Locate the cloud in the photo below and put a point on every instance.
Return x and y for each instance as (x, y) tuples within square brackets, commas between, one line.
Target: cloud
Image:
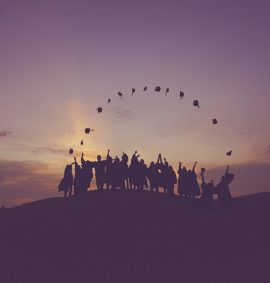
[(41, 149), (26, 181), (123, 113), (4, 134)]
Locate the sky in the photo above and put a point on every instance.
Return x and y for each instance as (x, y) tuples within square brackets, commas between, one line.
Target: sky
[(60, 60)]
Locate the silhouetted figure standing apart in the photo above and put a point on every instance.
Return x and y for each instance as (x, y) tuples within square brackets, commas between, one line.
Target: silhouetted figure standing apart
[(207, 199), (223, 191), (66, 183)]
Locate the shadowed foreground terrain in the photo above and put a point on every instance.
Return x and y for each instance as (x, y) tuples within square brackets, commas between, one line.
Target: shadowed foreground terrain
[(135, 237)]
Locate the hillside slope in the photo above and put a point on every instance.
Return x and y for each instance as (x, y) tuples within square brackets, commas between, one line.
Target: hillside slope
[(135, 237)]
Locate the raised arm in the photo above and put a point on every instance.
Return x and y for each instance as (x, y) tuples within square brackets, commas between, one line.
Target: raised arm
[(227, 170), (159, 159), (179, 168), (202, 174), (194, 166), (108, 154), (82, 159)]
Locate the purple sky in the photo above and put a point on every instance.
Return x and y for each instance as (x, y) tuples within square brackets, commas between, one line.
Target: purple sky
[(60, 60)]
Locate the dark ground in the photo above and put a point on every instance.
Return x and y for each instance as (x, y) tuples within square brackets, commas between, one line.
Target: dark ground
[(135, 237)]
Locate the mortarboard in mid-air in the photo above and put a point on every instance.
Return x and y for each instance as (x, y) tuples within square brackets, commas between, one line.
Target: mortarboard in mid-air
[(229, 153), (99, 109), (196, 103), (109, 101), (120, 94), (88, 130), (71, 151), (133, 91), (145, 88), (167, 90), (181, 94), (214, 121), (158, 89), (81, 142)]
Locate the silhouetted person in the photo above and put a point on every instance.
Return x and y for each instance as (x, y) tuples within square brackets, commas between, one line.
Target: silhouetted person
[(141, 174), (164, 175), (159, 173), (171, 180), (193, 185), (133, 171), (223, 191), (116, 175), (66, 183), (124, 172), (109, 171), (87, 174), (208, 189), (100, 166), (77, 178), (152, 176), (182, 181)]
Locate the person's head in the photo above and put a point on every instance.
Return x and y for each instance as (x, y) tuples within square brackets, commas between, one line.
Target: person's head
[(98, 157), (124, 158), (152, 163), (142, 161), (171, 168)]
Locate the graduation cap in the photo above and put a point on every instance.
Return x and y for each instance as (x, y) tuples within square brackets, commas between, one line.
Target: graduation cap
[(158, 88), (214, 121), (196, 103), (88, 130), (71, 151), (120, 94), (133, 91), (145, 88), (81, 142), (109, 101), (229, 153), (167, 90), (99, 109), (181, 94)]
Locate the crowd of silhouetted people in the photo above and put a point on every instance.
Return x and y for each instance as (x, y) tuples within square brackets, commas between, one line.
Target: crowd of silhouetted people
[(118, 174)]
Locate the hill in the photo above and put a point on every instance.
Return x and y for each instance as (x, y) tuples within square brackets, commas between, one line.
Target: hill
[(135, 237)]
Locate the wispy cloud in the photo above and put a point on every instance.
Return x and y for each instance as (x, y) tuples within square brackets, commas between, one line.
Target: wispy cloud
[(4, 134), (41, 149), (123, 113), (26, 181)]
